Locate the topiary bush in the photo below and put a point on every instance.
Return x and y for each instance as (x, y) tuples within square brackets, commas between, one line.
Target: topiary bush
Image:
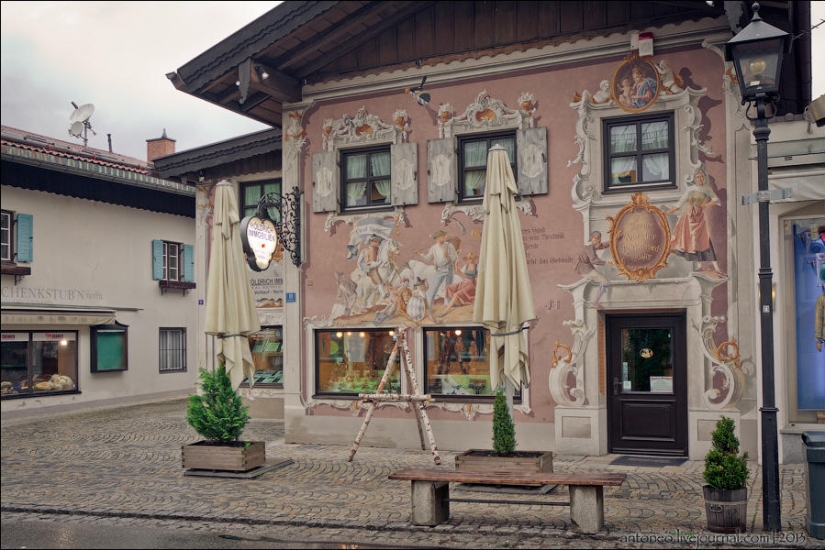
[(504, 430), (217, 413), (725, 468)]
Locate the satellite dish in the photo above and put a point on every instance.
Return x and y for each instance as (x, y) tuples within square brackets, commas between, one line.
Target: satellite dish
[(82, 113), (77, 129)]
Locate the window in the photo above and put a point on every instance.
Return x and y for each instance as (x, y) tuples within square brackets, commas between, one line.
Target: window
[(457, 363), (38, 363), (109, 348), (472, 159), (639, 153), (16, 240), (349, 362), (268, 357), (251, 193), (172, 348), (366, 178), (173, 264)]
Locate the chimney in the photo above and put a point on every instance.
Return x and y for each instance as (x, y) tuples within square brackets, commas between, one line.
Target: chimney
[(159, 147)]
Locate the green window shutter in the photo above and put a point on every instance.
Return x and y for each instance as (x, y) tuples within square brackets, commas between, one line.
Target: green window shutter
[(188, 263), (157, 260), (25, 237)]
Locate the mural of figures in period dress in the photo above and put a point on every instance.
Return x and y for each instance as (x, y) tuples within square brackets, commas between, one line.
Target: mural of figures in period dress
[(636, 84), (691, 237), (435, 283)]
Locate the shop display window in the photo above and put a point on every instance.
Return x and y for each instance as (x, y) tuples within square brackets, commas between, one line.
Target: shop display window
[(457, 363), (268, 357), (349, 362), (38, 363)]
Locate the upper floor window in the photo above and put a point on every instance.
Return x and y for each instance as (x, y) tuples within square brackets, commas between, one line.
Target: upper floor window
[(366, 178), (15, 242), (173, 264), (472, 161), (639, 153), (251, 193)]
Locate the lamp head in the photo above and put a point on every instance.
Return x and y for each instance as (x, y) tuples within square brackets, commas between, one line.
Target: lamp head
[(757, 53)]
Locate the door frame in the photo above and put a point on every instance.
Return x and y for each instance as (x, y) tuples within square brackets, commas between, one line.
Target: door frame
[(676, 320)]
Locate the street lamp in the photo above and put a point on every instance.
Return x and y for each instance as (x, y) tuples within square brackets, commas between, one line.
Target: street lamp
[(757, 53)]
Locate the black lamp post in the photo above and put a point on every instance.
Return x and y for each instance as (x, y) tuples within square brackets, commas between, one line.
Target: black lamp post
[(757, 53)]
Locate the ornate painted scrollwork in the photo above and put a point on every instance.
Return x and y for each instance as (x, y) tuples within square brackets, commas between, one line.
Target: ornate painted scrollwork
[(563, 392), (726, 377), (486, 113)]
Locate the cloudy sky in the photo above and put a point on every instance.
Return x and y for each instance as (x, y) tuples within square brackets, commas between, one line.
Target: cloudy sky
[(115, 55)]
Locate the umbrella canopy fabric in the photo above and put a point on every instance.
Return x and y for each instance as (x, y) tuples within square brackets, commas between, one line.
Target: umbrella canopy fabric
[(504, 297), (230, 307)]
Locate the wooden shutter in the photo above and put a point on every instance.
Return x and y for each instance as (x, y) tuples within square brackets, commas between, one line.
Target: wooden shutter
[(404, 173), (441, 170), (25, 238), (326, 182), (188, 263), (532, 161), (157, 260)]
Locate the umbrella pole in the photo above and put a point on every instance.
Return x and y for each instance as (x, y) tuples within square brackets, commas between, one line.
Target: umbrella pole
[(509, 391)]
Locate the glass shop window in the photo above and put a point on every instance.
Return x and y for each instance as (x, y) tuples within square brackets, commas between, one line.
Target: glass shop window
[(457, 363), (268, 357), (42, 363), (349, 362)]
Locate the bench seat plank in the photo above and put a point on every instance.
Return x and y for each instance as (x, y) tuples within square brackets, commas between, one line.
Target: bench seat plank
[(507, 478)]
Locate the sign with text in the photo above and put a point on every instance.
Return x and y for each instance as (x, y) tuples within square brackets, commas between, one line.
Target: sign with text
[(639, 239)]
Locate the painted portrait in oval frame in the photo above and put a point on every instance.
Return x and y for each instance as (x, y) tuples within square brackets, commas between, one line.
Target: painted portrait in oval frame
[(636, 84)]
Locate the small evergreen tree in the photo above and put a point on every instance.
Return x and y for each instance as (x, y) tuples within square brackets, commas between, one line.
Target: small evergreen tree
[(724, 467), (217, 413), (504, 430)]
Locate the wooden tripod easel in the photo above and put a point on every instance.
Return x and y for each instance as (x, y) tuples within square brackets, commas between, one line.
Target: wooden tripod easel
[(418, 401)]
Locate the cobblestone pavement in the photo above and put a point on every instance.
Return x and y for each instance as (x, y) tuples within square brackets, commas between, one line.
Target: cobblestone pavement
[(123, 466)]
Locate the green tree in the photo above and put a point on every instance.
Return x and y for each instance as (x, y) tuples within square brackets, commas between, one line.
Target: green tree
[(217, 413), (504, 430), (725, 468)]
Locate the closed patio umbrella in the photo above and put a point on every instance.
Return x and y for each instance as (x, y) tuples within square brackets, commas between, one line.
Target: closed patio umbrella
[(230, 307), (504, 298)]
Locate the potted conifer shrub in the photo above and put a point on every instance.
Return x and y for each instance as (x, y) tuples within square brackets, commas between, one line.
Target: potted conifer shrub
[(504, 457), (218, 415), (726, 474)]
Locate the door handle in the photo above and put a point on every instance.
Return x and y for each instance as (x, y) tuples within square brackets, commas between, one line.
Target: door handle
[(616, 386)]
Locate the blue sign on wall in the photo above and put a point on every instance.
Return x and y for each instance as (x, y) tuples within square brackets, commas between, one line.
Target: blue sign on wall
[(290, 297)]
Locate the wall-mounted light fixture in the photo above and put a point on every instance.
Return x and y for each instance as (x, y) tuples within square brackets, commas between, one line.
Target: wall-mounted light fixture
[(261, 71)]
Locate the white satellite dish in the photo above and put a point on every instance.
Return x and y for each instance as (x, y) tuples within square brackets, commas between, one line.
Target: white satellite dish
[(77, 129), (82, 113), (79, 120)]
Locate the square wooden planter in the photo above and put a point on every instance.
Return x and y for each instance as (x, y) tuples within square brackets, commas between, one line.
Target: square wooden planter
[(480, 460), (239, 456)]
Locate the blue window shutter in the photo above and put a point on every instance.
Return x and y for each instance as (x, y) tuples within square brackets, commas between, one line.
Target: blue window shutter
[(157, 260), (25, 237), (188, 263)]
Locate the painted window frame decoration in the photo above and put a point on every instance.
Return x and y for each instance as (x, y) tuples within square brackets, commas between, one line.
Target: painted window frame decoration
[(635, 96)]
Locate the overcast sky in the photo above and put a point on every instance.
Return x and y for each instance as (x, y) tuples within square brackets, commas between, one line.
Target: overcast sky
[(115, 55)]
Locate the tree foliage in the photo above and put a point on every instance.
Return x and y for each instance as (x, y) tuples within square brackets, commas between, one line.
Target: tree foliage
[(217, 413), (504, 430), (725, 468)]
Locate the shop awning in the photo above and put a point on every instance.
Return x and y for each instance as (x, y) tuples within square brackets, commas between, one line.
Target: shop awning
[(50, 315)]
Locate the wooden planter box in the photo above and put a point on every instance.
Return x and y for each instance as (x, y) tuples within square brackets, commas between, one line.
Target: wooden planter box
[(480, 460), (240, 456)]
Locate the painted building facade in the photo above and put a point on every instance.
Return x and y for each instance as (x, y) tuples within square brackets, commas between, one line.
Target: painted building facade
[(632, 153)]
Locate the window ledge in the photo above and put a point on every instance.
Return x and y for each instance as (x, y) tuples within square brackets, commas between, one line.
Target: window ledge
[(175, 285), (19, 271)]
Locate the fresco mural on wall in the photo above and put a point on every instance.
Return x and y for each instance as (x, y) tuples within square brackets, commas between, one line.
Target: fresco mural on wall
[(433, 284), (636, 84), (639, 239)]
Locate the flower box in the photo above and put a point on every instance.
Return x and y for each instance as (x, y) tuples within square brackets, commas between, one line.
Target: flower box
[(480, 460), (236, 456)]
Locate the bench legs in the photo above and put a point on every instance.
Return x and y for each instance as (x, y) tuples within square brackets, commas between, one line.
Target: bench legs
[(587, 508), (430, 502)]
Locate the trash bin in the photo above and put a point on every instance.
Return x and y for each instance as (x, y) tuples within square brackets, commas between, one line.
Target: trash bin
[(814, 443)]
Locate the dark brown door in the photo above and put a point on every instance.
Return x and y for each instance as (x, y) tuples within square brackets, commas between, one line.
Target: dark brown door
[(647, 384)]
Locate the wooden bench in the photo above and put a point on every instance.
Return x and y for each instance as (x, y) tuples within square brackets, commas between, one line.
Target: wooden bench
[(431, 492)]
